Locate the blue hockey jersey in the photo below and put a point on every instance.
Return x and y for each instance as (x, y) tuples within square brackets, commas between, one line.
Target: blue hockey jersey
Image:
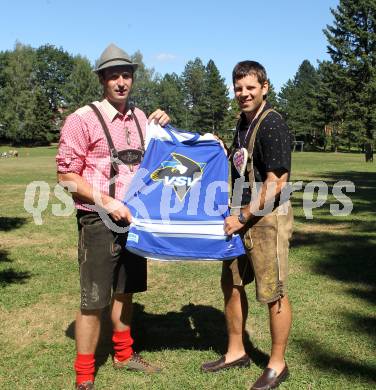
[(179, 199)]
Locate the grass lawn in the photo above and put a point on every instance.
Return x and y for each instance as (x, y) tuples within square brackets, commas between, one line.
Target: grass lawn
[(179, 322)]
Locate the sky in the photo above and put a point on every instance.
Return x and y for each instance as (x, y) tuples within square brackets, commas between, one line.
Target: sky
[(278, 34)]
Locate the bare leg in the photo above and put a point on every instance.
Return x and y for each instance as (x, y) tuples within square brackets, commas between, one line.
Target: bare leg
[(87, 331), (280, 324), (122, 310), (236, 311)]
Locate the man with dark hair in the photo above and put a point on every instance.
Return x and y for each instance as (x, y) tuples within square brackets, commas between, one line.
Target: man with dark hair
[(261, 152), (245, 68), (100, 149)]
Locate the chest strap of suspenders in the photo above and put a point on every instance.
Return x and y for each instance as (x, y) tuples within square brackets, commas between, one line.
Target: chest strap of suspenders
[(114, 155)]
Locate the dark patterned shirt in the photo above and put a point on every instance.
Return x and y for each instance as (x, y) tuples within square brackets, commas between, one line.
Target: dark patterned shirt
[(272, 151)]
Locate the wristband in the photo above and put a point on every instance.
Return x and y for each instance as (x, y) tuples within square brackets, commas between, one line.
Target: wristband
[(242, 219)]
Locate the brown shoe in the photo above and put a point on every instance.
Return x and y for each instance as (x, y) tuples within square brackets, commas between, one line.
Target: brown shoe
[(270, 380), (88, 385), (136, 363), (220, 364)]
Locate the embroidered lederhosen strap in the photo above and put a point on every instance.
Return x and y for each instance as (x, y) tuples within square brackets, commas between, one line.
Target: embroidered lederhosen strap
[(114, 154)]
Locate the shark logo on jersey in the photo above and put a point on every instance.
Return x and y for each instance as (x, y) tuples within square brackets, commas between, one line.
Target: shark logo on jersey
[(180, 172)]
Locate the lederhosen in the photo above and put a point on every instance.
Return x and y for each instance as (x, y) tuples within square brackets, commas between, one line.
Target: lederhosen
[(280, 221)]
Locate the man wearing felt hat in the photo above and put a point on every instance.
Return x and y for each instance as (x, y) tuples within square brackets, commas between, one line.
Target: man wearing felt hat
[(113, 56), (101, 146)]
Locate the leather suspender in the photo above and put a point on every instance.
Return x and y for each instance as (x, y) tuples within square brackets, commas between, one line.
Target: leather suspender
[(134, 117), (114, 155), (251, 145)]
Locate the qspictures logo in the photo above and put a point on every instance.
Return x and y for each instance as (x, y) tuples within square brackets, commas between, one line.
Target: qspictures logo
[(180, 172)]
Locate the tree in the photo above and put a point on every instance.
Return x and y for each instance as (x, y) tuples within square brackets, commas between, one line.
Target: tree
[(52, 69), (40, 121), (82, 86), (214, 103), (4, 58), (273, 97), (144, 92), (352, 48), (171, 98), (230, 120), (333, 102), (298, 102), (26, 115), (194, 77)]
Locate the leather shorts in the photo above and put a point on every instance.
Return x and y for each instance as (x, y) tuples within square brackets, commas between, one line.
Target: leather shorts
[(106, 267), (266, 261)]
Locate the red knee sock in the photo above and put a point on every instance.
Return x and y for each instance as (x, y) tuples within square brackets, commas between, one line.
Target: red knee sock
[(85, 367), (122, 344)]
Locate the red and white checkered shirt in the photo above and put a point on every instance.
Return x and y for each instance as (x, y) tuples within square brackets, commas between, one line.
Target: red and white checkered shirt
[(83, 147)]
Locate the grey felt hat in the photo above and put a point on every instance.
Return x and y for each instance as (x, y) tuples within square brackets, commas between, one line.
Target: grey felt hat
[(113, 56)]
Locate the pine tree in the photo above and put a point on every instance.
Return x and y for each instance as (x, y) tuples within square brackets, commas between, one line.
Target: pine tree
[(298, 101), (194, 90), (333, 101), (230, 120), (171, 98), (272, 97), (144, 93), (352, 47), (214, 103)]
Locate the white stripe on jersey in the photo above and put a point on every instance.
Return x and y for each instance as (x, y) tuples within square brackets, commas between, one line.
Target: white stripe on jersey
[(184, 235), (138, 221), (204, 230)]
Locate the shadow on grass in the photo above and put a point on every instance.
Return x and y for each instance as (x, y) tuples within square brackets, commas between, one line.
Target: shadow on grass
[(332, 362), (368, 295), (8, 223), (4, 256), (350, 255), (347, 258), (347, 254), (9, 275), (195, 327), (363, 198), (360, 323)]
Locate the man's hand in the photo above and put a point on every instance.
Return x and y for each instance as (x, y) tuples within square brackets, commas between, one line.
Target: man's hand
[(118, 210), (232, 225), (159, 117)]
